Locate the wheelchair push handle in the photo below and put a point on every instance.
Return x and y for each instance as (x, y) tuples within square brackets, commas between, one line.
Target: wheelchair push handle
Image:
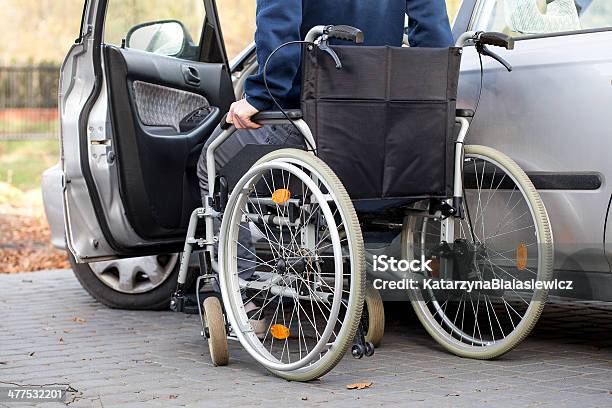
[(482, 39), (341, 32), (345, 32), (497, 40)]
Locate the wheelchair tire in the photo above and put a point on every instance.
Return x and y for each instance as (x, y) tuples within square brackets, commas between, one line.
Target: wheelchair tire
[(217, 335), (442, 324), (375, 310), (341, 227)]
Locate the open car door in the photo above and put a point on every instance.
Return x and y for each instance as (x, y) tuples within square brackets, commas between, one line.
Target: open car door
[(140, 93)]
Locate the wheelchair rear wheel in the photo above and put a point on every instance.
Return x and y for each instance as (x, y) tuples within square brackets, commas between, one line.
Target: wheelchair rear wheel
[(306, 278), (504, 236)]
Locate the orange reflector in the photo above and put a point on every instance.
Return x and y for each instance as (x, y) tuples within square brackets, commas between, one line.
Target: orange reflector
[(521, 257), (281, 196), (280, 332)]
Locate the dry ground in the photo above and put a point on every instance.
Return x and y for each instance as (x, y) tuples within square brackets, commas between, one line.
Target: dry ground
[(24, 234)]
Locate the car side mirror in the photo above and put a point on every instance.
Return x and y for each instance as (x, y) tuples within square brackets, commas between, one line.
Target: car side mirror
[(167, 37)]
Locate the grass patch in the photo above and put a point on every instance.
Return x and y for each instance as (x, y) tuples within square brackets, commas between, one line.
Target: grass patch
[(22, 162), (24, 126)]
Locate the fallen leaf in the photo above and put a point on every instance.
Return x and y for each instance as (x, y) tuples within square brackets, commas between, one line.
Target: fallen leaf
[(61, 339), (359, 386), (172, 396), (79, 320)]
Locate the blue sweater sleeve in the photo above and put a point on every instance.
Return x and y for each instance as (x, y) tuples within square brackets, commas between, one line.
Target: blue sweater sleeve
[(428, 24), (278, 21)]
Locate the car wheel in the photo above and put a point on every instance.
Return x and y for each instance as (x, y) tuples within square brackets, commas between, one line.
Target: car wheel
[(145, 283)]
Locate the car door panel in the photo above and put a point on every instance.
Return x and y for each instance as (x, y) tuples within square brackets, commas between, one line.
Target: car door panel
[(162, 106), (156, 161), (128, 164), (549, 115)]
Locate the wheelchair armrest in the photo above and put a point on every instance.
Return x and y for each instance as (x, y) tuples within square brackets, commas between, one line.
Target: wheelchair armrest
[(293, 114)]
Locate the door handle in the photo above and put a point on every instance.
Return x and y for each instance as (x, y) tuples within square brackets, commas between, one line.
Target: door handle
[(191, 75)]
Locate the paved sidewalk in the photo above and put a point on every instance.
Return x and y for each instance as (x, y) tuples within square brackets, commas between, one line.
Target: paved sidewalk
[(51, 331)]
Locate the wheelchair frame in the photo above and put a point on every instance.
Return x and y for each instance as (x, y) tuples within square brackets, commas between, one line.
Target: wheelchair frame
[(208, 213), (451, 209), (316, 35)]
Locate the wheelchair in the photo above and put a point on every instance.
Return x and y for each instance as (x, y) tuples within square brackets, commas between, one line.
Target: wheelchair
[(309, 267)]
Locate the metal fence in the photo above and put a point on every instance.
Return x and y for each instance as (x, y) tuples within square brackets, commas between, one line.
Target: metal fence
[(28, 102)]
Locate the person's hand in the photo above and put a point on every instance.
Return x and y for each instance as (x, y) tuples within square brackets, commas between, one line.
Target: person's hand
[(240, 115)]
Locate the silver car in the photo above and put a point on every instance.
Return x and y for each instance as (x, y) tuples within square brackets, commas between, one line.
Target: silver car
[(132, 128)]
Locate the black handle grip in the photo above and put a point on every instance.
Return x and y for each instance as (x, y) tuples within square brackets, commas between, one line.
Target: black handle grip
[(344, 32), (497, 40), (224, 125)]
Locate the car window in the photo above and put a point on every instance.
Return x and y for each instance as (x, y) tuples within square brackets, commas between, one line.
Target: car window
[(237, 19), (537, 17), (164, 27)]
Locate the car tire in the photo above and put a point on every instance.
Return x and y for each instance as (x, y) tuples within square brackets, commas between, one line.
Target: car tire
[(158, 298)]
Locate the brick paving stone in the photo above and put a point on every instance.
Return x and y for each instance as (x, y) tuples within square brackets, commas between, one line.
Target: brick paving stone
[(122, 359)]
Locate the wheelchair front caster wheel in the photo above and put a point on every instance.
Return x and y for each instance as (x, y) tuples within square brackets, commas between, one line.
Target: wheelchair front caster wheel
[(215, 331), (358, 351), (374, 319), (369, 349)]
